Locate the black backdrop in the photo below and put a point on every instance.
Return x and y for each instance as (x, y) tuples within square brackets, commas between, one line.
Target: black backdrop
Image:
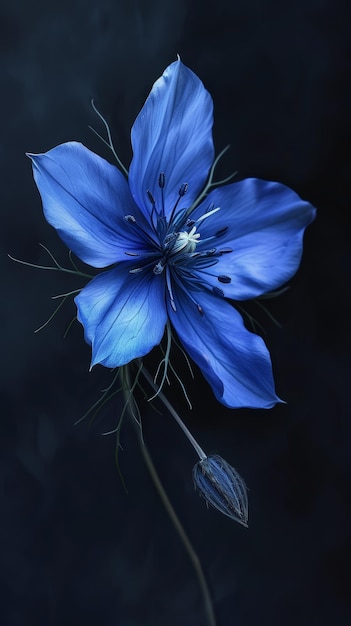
[(75, 548)]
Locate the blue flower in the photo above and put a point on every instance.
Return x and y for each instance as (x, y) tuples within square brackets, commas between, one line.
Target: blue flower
[(170, 257)]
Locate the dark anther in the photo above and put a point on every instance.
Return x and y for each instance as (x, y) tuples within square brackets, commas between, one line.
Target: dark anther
[(225, 250), (150, 196), (183, 189), (218, 291), (189, 223), (224, 279), (211, 252), (130, 219), (200, 309), (161, 180), (222, 231)]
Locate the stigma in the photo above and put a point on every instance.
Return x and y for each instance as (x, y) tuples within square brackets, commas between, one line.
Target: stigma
[(186, 242)]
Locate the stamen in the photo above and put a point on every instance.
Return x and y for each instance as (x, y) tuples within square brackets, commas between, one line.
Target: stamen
[(218, 291), (221, 231), (224, 279), (200, 262), (225, 250), (170, 238), (130, 219), (151, 198), (182, 192), (178, 221), (169, 288), (136, 270), (159, 267), (183, 189), (189, 293), (204, 254), (161, 184), (151, 264)]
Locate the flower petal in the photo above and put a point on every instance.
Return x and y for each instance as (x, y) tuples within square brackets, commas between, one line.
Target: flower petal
[(266, 222), (172, 134), (235, 362), (123, 315), (85, 199)]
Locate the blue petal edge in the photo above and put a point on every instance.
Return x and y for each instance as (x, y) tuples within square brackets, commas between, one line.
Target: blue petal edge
[(234, 361)]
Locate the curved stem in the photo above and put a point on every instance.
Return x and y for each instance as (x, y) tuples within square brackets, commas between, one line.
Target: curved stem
[(211, 620), (182, 534), (173, 412)]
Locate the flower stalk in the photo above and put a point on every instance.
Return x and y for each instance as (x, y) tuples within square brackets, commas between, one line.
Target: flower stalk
[(202, 455), (208, 605), (217, 482)]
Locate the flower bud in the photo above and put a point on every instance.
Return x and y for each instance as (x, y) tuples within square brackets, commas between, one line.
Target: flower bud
[(222, 487)]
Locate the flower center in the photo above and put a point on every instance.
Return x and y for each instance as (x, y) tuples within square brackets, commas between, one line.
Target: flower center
[(176, 242), (186, 242), (176, 245), (173, 246)]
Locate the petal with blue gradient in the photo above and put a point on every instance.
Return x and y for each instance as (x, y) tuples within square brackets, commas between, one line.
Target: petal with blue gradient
[(266, 223), (234, 361), (86, 198), (123, 315), (172, 134)]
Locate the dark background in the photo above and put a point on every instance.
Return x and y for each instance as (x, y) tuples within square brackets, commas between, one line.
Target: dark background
[(75, 548)]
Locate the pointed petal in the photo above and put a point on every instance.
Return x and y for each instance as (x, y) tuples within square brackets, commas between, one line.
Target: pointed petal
[(235, 362), (266, 222), (85, 199), (172, 134), (123, 315)]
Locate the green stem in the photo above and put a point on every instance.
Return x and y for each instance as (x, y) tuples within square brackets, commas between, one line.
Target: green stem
[(182, 534), (211, 620)]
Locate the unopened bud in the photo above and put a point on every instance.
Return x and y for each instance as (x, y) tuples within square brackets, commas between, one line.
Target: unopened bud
[(222, 487)]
